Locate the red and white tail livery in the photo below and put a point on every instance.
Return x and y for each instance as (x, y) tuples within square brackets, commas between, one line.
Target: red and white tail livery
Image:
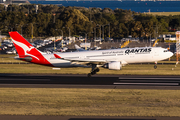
[(112, 59), (26, 51)]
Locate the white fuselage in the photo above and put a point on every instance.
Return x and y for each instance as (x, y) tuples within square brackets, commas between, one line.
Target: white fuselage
[(124, 55)]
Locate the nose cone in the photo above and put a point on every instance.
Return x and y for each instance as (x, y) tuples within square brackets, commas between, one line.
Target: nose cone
[(170, 54)]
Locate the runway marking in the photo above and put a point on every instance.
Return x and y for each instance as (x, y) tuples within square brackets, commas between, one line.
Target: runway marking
[(172, 84)]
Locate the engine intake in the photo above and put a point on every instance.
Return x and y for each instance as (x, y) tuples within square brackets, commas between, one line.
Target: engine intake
[(114, 65)]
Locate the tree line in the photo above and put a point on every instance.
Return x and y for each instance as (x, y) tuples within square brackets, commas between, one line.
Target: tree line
[(53, 20)]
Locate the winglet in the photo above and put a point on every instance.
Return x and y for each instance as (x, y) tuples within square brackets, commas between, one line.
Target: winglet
[(57, 56)]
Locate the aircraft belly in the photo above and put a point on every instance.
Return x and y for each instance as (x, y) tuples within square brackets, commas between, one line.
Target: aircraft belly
[(57, 62), (158, 58), (113, 58), (68, 64), (139, 58)]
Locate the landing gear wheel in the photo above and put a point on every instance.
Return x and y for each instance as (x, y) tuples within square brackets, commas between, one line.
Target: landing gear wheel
[(155, 66), (89, 75), (93, 72), (97, 70)]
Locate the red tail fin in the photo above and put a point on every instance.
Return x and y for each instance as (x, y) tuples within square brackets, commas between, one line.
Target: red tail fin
[(25, 49), (22, 46)]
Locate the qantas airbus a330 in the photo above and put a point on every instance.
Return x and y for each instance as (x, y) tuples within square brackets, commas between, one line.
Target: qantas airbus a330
[(113, 59)]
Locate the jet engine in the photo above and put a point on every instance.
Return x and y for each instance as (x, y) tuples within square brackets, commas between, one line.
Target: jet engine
[(114, 65)]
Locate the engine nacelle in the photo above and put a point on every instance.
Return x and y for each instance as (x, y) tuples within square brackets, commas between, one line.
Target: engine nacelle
[(114, 65)]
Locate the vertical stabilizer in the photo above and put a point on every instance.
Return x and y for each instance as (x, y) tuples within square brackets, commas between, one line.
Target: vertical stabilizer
[(26, 51), (23, 47)]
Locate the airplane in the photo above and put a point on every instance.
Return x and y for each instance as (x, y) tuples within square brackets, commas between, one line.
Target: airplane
[(82, 49), (112, 59), (79, 48)]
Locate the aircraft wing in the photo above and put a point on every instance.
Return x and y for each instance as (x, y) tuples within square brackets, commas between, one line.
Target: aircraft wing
[(83, 60)]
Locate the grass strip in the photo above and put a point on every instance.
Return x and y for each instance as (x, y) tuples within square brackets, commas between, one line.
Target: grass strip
[(89, 102), (133, 69)]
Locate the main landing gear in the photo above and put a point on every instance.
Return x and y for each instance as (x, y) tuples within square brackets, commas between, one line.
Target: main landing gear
[(155, 66), (94, 70)]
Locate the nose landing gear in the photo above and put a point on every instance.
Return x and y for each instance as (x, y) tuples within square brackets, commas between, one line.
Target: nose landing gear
[(155, 66)]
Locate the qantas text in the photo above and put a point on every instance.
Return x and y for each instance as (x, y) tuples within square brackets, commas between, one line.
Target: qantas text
[(138, 51)]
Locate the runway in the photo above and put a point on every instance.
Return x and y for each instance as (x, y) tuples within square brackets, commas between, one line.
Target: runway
[(82, 81)]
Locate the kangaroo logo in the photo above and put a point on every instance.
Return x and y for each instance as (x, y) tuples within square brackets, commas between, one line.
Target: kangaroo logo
[(25, 48)]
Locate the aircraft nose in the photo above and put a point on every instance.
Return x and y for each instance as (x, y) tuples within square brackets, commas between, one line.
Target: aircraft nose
[(170, 54)]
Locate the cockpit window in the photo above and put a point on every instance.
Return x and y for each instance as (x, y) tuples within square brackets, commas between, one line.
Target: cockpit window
[(165, 50)]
